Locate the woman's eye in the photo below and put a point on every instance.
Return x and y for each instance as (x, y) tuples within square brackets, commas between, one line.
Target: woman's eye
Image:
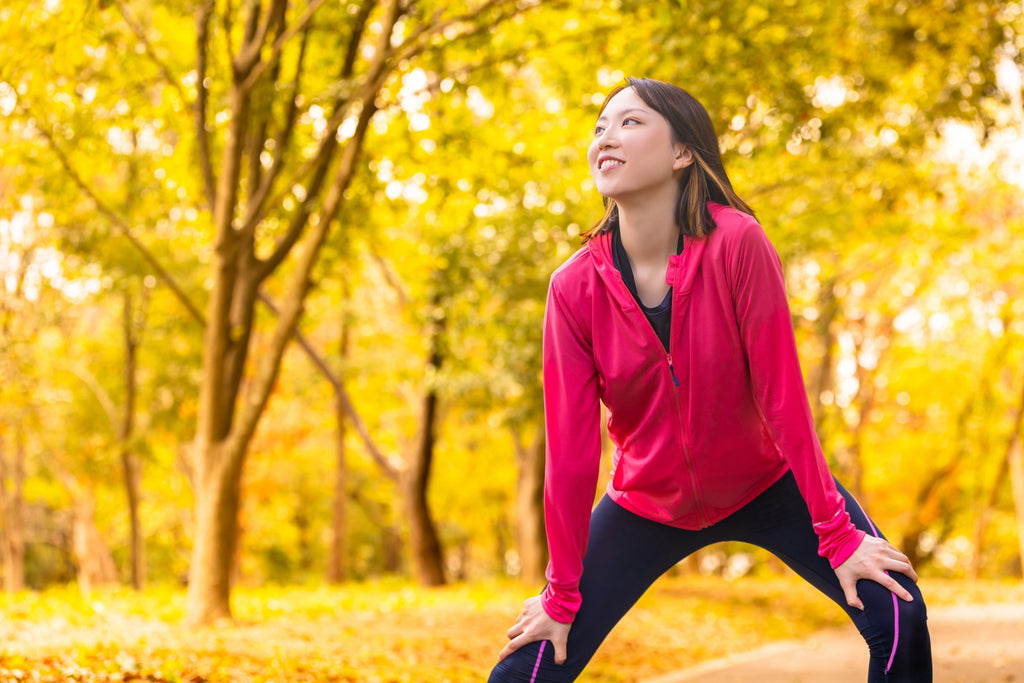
[(627, 122), (598, 130)]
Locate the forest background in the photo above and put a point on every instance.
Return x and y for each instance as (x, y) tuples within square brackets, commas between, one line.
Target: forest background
[(274, 272)]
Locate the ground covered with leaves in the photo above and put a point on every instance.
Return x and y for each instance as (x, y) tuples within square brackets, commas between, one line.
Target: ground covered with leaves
[(393, 632)]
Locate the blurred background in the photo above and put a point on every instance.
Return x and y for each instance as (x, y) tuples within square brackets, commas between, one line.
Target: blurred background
[(273, 273)]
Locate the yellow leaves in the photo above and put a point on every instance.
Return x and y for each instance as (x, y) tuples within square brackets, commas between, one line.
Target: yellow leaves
[(392, 632)]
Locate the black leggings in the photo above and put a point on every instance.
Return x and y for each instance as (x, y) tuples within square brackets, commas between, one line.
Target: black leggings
[(626, 553)]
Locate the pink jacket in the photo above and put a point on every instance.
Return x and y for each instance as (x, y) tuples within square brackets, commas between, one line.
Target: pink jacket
[(698, 432)]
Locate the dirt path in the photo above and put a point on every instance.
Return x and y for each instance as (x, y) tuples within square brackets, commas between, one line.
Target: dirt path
[(970, 644)]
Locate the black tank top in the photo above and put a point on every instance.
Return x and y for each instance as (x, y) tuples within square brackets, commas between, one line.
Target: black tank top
[(660, 316)]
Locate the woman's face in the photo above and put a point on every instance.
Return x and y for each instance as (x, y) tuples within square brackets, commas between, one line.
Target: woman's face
[(633, 153)]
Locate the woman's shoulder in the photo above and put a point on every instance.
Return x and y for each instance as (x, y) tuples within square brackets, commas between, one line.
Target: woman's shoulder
[(732, 222), (580, 265), (737, 238)]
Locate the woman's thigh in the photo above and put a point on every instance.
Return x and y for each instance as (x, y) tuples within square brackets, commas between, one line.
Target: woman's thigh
[(896, 631), (625, 554)]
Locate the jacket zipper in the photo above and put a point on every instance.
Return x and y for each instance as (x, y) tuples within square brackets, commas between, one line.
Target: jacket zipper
[(687, 456), (672, 369)]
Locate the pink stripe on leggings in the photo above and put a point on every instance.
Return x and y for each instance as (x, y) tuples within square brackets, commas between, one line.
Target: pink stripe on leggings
[(536, 667), (895, 604)]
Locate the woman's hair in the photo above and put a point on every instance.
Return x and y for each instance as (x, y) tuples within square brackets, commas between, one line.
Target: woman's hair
[(702, 181)]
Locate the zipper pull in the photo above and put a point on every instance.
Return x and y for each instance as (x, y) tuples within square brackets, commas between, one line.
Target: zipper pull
[(672, 369)]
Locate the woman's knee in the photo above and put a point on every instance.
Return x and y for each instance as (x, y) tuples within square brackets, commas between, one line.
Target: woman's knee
[(895, 630)]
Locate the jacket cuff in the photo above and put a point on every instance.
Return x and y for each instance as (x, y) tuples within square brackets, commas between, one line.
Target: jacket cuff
[(841, 552), (561, 605)]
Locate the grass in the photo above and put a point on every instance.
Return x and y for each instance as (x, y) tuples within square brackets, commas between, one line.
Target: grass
[(391, 631)]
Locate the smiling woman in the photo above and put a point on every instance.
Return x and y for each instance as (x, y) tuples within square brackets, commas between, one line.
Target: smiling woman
[(674, 315)]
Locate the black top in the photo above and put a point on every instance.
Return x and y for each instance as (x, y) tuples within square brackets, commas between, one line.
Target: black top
[(660, 316)]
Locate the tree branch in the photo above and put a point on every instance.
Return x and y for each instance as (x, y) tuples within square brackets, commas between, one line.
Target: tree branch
[(262, 117), (165, 71), (391, 465), (260, 67), (255, 209), (417, 42), (256, 34), (101, 395), (372, 83), (352, 51), (202, 101), (122, 226), (298, 286)]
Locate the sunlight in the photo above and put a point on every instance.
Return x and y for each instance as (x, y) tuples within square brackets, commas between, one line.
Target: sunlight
[(1000, 150), (413, 96), (8, 99), (830, 93), (478, 104)]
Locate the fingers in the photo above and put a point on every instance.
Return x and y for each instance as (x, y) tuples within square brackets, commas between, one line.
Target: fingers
[(891, 583), (533, 625), (903, 566), (517, 628), (898, 562), (559, 652), (850, 591), (512, 646)]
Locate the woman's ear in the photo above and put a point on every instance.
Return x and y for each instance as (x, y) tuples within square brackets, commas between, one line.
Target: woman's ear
[(684, 157)]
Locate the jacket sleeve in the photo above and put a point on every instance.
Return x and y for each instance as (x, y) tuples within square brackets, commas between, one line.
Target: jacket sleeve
[(572, 420), (766, 329)]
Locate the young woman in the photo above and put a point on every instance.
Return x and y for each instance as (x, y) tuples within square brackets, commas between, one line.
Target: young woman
[(674, 315)]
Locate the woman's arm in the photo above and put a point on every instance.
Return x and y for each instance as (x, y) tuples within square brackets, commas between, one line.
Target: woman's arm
[(572, 418), (766, 328)]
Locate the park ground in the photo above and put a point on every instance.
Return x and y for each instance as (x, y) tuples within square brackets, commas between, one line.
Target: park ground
[(687, 628), (970, 643)]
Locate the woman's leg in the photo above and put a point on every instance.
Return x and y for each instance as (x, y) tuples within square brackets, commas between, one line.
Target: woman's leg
[(625, 554), (896, 631)]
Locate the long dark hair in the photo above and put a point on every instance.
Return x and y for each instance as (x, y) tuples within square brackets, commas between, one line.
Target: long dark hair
[(702, 181)]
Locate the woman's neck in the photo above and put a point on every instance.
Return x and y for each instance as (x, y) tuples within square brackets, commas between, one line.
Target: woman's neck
[(649, 233), (650, 237)]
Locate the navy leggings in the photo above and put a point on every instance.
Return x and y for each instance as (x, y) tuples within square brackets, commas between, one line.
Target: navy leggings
[(626, 553)]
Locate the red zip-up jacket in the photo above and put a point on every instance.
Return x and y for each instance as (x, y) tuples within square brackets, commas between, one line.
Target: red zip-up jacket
[(699, 431)]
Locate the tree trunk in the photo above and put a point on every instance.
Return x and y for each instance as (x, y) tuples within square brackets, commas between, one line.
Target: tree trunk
[(95, 564), (226, 421), (1015, 464), (532, 537), (424, 544), (129, 461), (1012, 464), (337, 567), (213, 553), (269, 58), (13, 507)]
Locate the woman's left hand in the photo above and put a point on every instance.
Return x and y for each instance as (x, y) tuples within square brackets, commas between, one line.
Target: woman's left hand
[(871, 560)]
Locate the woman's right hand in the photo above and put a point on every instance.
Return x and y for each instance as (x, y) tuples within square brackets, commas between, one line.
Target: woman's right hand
[(534, 624)]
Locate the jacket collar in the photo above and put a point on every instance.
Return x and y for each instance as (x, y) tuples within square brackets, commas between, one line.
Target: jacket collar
[(681, 273)]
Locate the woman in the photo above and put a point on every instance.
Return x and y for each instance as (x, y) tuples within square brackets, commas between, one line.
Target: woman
[(674, 315)]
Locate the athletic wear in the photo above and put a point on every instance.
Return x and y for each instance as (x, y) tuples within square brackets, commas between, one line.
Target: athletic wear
[(660, 316), (699, 431), (627, 553)]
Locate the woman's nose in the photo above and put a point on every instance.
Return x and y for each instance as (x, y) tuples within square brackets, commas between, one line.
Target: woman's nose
[(605, 139)]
